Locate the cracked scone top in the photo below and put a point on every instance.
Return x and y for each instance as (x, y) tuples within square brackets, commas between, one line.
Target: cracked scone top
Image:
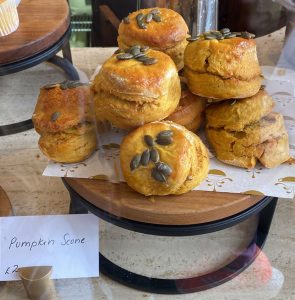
[(222, 69)]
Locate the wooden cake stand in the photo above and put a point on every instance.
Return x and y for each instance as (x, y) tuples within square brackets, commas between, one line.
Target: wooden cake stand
[(193, 213), (44, 30)]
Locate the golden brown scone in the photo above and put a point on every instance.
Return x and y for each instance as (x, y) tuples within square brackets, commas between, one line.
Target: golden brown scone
[(190, 111), (236, 114), (265, 140), (222, 69), (169, 35), (64, 118), (128, 93), (163, 158)]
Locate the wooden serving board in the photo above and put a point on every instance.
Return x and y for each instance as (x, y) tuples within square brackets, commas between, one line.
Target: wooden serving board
[(5, 205), (42, 24), (191, 208)]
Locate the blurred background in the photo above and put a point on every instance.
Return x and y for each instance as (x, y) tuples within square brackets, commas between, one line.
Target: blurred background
[(95, 22)]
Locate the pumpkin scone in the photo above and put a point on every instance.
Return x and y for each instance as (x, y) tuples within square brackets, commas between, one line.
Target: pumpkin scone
[(134, 89), (236, 114), (161, 29), (65, 120), (162, 158), (222, 65), (265, 140)]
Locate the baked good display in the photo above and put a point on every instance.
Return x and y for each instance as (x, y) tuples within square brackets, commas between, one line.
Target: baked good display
[(132, 90), (9, 20), (246, 131), (190, 110), (159, 28), (222, 65), (162, 158), (65, 120)]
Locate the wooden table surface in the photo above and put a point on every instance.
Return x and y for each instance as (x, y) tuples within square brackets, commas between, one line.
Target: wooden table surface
[(42, 23)]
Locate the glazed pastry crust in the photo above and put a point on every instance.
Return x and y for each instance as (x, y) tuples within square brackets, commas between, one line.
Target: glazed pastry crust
[(160, 35), (265, 140), (187, 156), (222, 69), (74, 106), (130, 94), (235, 115)]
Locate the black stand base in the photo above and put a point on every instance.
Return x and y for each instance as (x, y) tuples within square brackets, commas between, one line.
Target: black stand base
[(263, 209), (199, 283)]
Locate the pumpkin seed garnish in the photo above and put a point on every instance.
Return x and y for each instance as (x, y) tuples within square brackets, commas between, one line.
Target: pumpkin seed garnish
[(142, 58), (193, 38), (139, 54), (157, 18), (68, 84), (209, 37), (135, 51), (144, 48), (139, 17), (158, 175), (148, 140), (230, 36), (165, 137), (118, 51), (164, 140), (148, 17), (247, 35), (126, 20), (150, 61), (165, 133), (49, 86), (55, 116), (154, 155), (135, 162), (141, 25), (224, 30), (124, 56), (145, 157), (133, 48), (163, 168), (154, 11)]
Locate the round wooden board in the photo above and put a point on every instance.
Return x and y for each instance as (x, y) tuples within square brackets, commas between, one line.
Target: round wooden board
[(5, 205), (42, 24), (191, 208)]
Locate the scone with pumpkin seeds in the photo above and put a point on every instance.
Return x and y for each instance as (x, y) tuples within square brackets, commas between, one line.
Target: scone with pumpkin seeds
[(161, 29), (162, 158), (65, 120), (222, 67), (130, 91), (265, 140)]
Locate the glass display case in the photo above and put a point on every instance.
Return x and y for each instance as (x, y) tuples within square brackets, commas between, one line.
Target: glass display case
[(162, 168)]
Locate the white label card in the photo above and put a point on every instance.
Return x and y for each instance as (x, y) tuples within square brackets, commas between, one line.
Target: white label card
[(69, 243)]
